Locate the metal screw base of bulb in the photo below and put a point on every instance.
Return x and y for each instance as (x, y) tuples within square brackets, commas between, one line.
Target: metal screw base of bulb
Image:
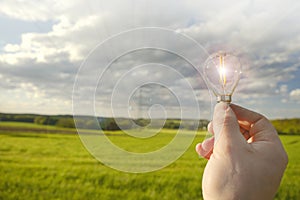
[(224, 98)]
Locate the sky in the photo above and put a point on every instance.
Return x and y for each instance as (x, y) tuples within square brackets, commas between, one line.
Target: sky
[(75, 56)]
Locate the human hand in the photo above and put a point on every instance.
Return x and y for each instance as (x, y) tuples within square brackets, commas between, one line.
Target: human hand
[(246, 157)]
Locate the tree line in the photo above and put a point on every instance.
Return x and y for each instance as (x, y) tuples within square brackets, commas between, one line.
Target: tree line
[(287, 126), (88, 122), (54, 120), (283, 126)]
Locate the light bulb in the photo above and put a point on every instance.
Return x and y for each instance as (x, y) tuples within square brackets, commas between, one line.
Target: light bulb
[(222, 72)]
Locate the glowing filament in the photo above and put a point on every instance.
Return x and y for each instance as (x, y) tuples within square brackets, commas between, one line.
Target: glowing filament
[(222, 71)]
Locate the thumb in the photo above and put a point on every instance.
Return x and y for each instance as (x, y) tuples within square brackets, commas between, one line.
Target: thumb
[(226, 127)]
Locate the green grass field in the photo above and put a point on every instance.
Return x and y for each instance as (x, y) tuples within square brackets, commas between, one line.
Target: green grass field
[(39, 164)]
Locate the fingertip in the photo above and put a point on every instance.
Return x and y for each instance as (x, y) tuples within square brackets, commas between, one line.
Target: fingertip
[(221, 106), (219, 117), (226, 130), (210, 128), (198, 147), (205, 149), (208, 144)]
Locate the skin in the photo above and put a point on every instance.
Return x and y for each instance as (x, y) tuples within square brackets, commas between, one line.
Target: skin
[(246, 157)]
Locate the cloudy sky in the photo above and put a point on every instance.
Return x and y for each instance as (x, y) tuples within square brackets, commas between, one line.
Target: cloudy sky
[(43, 46)]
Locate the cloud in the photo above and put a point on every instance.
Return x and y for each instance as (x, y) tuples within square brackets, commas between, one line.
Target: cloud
[(263, 33), (45, 10), (295, 95)]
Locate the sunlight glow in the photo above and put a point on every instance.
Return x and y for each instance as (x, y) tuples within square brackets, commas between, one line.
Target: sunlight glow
[(222, 71)]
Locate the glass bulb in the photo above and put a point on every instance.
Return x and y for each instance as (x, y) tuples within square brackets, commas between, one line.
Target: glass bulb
[(222, 72)]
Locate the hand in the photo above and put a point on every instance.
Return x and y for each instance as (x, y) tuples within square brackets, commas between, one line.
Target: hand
[(246, 157)]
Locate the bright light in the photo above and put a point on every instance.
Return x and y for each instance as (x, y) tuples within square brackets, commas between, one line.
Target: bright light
[(222, 70)]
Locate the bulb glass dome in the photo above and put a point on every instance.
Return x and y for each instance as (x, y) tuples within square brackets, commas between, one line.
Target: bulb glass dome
[(222, 72)]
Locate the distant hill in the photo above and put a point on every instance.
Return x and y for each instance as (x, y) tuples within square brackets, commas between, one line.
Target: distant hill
[(283, 126), (287, 126), (39, 119), (90, 122)]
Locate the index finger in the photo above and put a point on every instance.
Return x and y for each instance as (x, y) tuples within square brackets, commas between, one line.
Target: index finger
[(247, 118)]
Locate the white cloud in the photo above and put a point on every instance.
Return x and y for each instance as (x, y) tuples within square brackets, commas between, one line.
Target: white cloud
[(65, 39), (266, 32), (283, 89), (295, 95), (43, 10)]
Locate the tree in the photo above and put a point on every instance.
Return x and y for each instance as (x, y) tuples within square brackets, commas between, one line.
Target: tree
[(66, 123), (40, 120)]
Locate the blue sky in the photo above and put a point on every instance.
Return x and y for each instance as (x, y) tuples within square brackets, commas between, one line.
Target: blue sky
[(44, 43)]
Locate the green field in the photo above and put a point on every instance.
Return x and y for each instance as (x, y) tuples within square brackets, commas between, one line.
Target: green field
[(38, 163)]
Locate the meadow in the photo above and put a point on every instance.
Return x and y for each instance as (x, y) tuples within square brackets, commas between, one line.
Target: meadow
[(46, 162)]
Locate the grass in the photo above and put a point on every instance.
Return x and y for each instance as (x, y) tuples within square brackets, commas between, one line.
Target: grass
[(290, 185), (27, 125), (57, 166)]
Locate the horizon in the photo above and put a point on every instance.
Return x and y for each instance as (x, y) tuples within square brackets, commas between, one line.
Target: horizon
[(55, 58), (70, 115)]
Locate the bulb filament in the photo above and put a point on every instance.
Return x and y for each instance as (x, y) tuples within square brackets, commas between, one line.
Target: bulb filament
[(222, 70)]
